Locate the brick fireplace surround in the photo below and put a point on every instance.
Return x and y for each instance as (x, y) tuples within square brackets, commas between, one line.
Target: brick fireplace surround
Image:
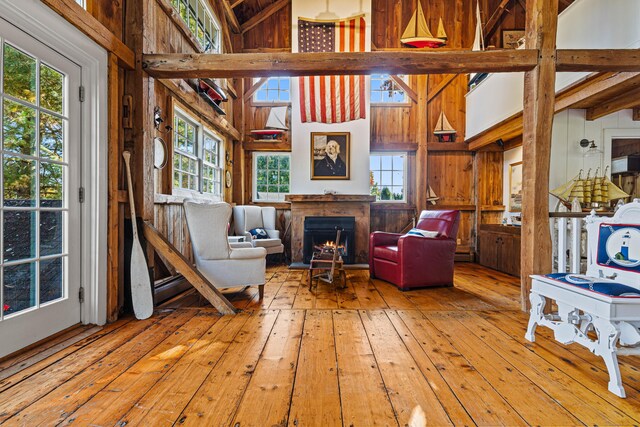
[(303, 205)]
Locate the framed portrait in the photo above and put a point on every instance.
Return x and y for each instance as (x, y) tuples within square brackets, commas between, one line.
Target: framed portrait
[(515, 187), (511, 38), (330, 155)]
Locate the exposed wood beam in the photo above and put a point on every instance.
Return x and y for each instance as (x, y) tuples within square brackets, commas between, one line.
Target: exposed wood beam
[(441, 86), (595, 89), (178, 65), (231, 16), (422, 137), (92, 28), (231, 89), (628, 100), (114, 259), (539, 100), (188, 96), (236, 3), (506, 129), (264, 14), (193, 276), (412, 93), (495, 18), (254, 87), (636, 114), (598, 60)]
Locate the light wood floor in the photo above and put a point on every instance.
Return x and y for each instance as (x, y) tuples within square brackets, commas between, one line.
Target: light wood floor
[(362, 356)]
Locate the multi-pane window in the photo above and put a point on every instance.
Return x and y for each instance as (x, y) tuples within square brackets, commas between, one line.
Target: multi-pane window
[(81, 3), (196, 156), (387, 176), (201, 23), (185, 158), (211, 170), (275, 89), (385, 90), (34, 170), (271, 176)]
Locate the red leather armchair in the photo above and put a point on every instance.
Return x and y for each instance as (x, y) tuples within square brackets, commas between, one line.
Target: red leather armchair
[(410, 261)]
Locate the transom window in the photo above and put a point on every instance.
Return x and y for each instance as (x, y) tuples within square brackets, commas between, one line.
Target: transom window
[(387, 176), (82, 3), (385, 90), (271, 176), (201, 23), (196, 157), (275, 89)]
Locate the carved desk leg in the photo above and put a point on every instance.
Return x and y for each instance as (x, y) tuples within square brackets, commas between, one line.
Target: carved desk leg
[(537, 314), (606, 347)]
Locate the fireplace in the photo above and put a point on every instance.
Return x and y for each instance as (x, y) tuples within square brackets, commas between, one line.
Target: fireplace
[(319, 230)]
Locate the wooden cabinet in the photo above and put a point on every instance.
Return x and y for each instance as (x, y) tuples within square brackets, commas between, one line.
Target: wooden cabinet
[(499, 248)]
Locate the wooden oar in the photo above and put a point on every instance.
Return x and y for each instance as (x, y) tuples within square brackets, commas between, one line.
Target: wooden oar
[(141, 294)]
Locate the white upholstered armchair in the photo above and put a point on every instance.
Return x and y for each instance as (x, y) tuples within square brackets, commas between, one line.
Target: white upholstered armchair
[(246, 218), (225, 266)]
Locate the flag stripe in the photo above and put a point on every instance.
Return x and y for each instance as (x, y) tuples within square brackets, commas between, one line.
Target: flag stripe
[(332, 99)]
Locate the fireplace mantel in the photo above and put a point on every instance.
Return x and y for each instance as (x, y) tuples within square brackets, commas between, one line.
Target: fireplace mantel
[(355, 205), (329, 198)]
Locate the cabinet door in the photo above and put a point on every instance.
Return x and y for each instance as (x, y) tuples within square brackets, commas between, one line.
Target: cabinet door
[(489, 247), (510, 255)]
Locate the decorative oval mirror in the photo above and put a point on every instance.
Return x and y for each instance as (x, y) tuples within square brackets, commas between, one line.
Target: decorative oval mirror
[(227, 179), (159, 153)]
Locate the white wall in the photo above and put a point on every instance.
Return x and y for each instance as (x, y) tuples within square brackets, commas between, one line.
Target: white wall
[(301, 182), (586, 24), (567, 157)]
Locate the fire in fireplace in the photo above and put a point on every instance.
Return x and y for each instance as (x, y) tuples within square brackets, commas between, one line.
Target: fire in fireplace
[(320, 231)]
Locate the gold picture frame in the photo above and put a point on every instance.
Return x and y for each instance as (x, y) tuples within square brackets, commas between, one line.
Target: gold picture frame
[(330, 155), (515, 187)]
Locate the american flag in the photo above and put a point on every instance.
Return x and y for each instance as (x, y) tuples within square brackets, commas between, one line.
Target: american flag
[(332, 99)]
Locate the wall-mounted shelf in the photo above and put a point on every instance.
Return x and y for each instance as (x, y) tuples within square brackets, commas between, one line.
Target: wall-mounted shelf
[(447, 146)]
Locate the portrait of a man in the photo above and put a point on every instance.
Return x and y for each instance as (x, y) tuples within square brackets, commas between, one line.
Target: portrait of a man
[(330, 155)]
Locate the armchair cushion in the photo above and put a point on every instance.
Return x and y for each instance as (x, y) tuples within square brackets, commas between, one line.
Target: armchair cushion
[(422, 233), (258, 233), (267, 243), (247, 253), (386, 252)]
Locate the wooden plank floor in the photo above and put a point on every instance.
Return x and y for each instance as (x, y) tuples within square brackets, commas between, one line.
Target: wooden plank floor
[(359, 356)]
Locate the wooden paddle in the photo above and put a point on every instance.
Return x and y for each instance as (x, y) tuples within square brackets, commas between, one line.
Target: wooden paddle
[(141, 294)]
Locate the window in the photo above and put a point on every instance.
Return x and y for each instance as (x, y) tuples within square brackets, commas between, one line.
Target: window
[(384, 90), (82, 3), (387, 176), (201, 23), (275, 89), (196, 157), (271, 176)]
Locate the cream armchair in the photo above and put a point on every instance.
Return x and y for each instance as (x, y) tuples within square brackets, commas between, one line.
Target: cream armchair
[(225, 266), (247, 218)]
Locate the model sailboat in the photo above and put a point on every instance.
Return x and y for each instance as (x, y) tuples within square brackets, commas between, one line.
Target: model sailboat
[(417, 33), (478, 42), (432, 197), (444, 131), (589, 192), (275, 126)]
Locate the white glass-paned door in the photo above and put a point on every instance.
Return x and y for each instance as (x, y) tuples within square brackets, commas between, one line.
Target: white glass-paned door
[(40, 176)]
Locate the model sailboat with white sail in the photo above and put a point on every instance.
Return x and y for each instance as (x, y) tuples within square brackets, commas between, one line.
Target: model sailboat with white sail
[(275, 126), (417, 33)]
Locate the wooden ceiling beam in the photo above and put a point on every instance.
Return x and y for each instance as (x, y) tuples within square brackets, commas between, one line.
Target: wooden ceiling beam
[(596, 89), (628, 100), (266, 12), (490, 26), (231, 16), (636, 114), (507, 129), (441, 86), (405, 87), (236, 3), (597, 60), (179, 65)]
